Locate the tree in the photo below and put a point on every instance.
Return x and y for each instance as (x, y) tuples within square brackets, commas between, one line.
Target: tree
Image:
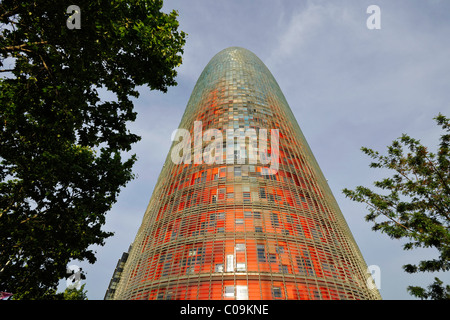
[(75, 294), (417, 207), (63, 148)]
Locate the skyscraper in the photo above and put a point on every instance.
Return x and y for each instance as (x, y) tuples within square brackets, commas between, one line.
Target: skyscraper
[(241, 209)]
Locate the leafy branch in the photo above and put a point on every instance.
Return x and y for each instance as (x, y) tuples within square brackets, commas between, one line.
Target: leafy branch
[(417, 205), (55, 190)]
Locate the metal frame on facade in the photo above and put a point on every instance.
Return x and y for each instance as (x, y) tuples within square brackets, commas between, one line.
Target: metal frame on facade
[(225, 230)]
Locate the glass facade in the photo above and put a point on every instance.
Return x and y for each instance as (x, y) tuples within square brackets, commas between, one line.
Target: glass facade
[(222, 224)]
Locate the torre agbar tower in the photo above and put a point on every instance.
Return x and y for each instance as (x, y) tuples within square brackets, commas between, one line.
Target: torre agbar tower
[(223, 223)]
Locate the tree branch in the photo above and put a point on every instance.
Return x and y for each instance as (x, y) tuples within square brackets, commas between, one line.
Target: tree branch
[(387, 216), (444, 183), (21, 47), (433, 203), (9, 13)]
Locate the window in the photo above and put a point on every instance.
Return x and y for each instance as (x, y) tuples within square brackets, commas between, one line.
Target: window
[(240, 266), (261, 253), (316, 233), (262, 193), (229, 291), (304, 265), (166, 269), (190, 270), (240, 247), (241, 293), (223, 173), (309, 267), (316, 294), (230, 263), (301, 265), (276, 292), (219, 267), (203, 177), (274, 219), (160, 296), (169, 295), (258, 229)]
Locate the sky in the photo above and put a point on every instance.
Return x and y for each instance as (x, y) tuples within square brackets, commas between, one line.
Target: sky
[(348, 86)]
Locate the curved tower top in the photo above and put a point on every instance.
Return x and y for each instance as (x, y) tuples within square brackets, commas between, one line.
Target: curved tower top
[(241, 209)]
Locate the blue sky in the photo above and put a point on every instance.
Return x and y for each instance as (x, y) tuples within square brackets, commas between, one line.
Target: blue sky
[(347, 86)]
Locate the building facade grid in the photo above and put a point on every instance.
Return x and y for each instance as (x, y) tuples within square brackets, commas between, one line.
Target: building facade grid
[(227, 229)]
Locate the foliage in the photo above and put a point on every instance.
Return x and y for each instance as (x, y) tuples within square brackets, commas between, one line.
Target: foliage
[(417, 207), (436, 291), (62, 148), (76, 294)]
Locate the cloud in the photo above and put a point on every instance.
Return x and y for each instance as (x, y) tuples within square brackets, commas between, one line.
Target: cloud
[(300, 29)]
